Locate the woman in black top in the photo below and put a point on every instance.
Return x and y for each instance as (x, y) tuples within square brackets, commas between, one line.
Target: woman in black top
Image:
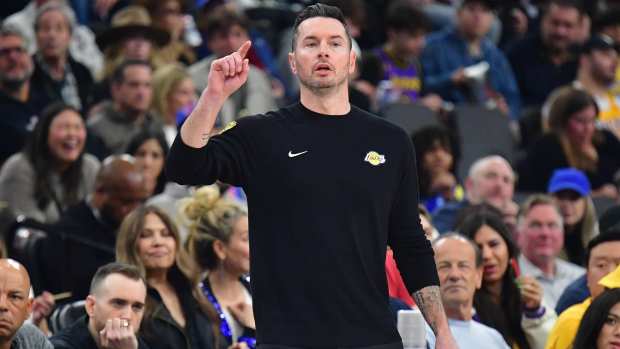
[(572, 140), (177, 315)]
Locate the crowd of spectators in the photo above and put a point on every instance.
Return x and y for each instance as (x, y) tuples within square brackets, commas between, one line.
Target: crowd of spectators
[(92, 94)]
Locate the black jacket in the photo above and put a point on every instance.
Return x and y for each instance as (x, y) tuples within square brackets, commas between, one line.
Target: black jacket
[(75, 247), (77, 336), (161, 331), (48, 89)]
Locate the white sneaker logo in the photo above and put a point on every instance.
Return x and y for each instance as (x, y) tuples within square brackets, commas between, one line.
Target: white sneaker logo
[(292, 155)]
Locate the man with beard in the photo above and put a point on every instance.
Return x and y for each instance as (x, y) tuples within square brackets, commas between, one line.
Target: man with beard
[(85, 236), (597, 74), (544, 62), (19, 110), (328, 187)]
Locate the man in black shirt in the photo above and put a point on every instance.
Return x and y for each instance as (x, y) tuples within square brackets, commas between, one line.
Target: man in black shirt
[(328, 187)]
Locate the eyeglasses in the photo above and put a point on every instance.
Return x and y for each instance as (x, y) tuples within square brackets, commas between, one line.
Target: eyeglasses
[(5, 51)]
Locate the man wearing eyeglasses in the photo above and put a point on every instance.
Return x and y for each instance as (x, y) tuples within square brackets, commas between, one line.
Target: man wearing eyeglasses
[(18, 108)]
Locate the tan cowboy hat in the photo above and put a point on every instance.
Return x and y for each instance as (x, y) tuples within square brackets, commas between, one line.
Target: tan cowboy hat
[(129, 22)]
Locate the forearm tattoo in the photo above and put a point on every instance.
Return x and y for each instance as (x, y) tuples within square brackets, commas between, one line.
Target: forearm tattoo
[(428, 300)]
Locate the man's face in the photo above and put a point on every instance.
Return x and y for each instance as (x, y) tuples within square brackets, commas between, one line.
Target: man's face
[(135, 92), (322, 58), (15, 303), (120, 201), (493, 183), (474, 20), (117, 297), (604, 258), (541, 236), (560, 27), (459, 276), (53, 34), (137, 47), (227, 42), (15, 62), (603, 65)]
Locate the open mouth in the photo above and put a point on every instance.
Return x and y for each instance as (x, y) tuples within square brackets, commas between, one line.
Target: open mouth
[(323, 67)]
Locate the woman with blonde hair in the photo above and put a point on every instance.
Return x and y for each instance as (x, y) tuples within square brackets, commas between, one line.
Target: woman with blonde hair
[(572, 140), (177, 314), (173, 97), (219, 242)]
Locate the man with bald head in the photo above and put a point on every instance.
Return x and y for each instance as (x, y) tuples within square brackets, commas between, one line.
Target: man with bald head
[(491, 179), (84, 237), (15, 308)]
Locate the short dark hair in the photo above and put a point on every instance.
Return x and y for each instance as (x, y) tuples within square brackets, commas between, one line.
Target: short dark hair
[(457, 236), (594, 319), (576, 4), (220, 20), (118, 75), (319, 10), (608, 236), (127, 270), (402, 16)]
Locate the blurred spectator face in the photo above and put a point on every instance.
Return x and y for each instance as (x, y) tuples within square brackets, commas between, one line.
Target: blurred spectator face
[(66, 137), (15, 62), (541, 236), (609, 337), (581, 126), (474, 20), (150, 159), (572, 206), (117, 297), (138, 48), (437, 160), (120, 201), (560, 27), (15, 301), (135, 92), (604, 258), (603, 65), (493, 183), (226, 42), (322, 57), (181, 96), (156, 245), (459, 276), (495, 254), (169, 16), (53, 34), (406, 43), (235, 254)]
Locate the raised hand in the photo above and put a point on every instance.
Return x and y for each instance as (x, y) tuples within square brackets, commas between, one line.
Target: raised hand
[(118, 334), (228, 73), (531, 292)]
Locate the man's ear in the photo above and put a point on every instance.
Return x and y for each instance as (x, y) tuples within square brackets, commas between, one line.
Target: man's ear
[(90, 305), (479, 277), (291, 62), (352, 61)]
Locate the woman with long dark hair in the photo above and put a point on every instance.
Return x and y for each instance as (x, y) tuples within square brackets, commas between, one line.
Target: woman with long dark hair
[(571, 139), (510, 304), (600, 325), (177, 315), (52, 172), (150, 148)]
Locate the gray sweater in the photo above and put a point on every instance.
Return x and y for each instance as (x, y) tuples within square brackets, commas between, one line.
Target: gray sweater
[(17, 180), (29, 337)]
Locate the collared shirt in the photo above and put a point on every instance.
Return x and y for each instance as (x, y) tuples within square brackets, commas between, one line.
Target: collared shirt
[(446, 52), (68, 83), (565, 273)]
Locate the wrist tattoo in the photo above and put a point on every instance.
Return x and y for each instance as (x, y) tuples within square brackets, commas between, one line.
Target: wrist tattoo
[(428, 300)]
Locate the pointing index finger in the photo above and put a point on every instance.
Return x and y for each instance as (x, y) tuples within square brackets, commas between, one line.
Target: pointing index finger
[(243, 50)]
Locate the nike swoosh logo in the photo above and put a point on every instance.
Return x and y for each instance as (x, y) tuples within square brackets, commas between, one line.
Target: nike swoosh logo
[(292, 155)]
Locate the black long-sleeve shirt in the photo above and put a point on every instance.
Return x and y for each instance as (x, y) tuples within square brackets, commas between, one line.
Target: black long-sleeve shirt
[(326, 194)]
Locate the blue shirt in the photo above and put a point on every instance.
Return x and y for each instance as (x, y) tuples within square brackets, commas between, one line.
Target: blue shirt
[(574, 293), (474, 335), (446, 52)]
